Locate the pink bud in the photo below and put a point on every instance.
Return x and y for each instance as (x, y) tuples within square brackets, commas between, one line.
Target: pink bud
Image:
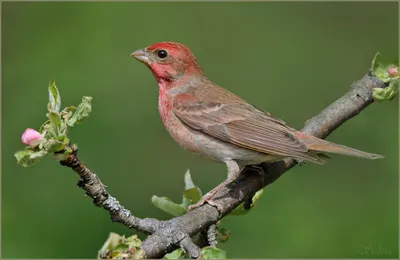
[(393, 72), (31, 137)]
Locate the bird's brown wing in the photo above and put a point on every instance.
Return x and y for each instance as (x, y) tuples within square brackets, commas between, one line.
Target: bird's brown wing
[(243, 125)]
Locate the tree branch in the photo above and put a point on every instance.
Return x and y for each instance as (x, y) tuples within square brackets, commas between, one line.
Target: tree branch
[(97, 190), (165, 236)]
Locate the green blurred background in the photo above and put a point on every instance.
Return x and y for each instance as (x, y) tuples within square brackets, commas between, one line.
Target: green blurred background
[(291, 59)]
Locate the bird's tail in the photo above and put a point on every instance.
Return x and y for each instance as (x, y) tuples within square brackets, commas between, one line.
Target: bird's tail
[(319, 145)]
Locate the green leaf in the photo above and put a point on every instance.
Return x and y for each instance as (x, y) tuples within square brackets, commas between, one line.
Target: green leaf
[(29, 157), (48, 130), (388, 93), (115, 255), (374, 63), (212, 253), (66, 113), (242, 210), (381, 73), (68, 109), (63, 138), (111, 241), (82, 112), (60, 156), (168, 206), (223, 234), (53, 145), (54, 97), (185, 203), (42, 127), (133, 241), (176, 254), (119, 247), (55, 119), (188, 180), (193, 195)]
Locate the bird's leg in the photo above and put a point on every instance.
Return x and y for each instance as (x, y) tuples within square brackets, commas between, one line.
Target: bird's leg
[(233, 173), (209, 195)]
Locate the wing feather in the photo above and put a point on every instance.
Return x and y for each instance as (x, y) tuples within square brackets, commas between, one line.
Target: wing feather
[(243, 125)]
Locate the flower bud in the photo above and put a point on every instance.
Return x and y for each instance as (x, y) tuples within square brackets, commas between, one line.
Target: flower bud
[(393, 72), (31, 137)]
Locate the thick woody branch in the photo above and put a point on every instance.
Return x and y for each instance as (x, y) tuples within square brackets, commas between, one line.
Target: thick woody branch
[(165, 236)]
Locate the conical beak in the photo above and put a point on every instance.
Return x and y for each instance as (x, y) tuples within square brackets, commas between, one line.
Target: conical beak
[(141, 56)]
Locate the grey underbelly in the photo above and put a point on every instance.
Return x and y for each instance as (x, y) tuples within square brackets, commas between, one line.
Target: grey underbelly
[(222, 151)]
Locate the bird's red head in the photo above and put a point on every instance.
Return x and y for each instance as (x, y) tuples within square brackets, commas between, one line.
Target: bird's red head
[(168, 61)]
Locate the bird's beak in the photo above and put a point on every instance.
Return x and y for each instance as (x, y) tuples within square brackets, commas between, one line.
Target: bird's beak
[(141, 56)]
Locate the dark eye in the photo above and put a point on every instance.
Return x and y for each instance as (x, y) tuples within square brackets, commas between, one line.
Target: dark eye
[(162, 54)]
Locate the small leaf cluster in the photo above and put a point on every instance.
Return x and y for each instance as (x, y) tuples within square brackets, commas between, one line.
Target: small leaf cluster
[(388, 74), (119, 247), (55, 129)]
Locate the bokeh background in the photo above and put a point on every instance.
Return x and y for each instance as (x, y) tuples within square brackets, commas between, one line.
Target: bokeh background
[(292, 59)]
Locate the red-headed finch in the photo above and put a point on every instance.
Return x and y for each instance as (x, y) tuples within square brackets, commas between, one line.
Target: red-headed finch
[(217, 124)]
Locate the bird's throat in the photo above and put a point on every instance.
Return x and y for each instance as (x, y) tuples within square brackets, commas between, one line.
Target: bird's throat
[(164, 106)]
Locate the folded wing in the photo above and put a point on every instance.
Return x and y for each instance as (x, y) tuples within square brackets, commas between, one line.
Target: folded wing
[(243, 125)]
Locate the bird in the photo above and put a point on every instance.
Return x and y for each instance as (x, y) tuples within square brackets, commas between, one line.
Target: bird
[(216, 124)]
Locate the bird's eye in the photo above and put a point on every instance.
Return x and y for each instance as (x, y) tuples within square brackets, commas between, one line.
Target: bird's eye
[(162, 54)]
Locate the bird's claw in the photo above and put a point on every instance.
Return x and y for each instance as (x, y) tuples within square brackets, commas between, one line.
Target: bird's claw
[(206, 199), (194, 206)]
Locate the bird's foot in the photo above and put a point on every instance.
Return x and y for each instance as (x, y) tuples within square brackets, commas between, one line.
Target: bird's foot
[(208, 201), (208, 198), (219, 207), (204, 199)]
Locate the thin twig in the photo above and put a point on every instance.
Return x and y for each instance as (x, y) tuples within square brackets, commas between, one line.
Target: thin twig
[(95, 189)]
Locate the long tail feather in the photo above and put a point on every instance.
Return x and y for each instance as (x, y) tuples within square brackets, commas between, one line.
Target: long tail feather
[(316, 144)]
